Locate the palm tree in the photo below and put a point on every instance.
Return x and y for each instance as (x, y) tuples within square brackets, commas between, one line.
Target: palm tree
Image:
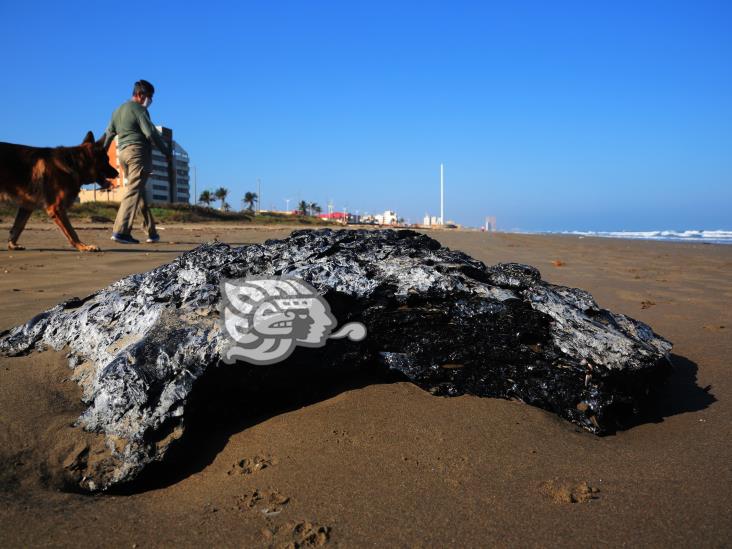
[(220, 194), (206, 198), (303, 207), (315, 209), (250, 199)]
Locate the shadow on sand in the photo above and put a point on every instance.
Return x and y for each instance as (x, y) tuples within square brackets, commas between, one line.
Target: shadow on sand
[(680, 394), (226, 402)]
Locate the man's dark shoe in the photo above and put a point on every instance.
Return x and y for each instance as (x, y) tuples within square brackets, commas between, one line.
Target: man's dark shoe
[(124, 238), (153, 238)]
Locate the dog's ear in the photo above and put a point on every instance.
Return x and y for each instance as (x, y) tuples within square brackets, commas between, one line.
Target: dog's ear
[(99, 145), (89, 138)]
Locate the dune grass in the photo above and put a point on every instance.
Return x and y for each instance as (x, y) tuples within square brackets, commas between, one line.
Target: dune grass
[(105, 212)]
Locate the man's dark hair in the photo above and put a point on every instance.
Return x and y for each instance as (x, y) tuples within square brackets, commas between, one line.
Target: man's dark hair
[(143, 87)]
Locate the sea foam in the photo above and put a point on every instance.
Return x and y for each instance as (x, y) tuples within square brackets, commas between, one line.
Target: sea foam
[(715, 236)]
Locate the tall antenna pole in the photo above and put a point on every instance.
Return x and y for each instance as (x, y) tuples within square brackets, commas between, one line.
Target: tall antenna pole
[(442, 195)]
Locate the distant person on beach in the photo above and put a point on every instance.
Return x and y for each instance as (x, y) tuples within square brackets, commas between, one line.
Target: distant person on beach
[(137, 134)]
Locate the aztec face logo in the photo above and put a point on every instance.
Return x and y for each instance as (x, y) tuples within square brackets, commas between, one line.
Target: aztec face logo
[(266, 318)]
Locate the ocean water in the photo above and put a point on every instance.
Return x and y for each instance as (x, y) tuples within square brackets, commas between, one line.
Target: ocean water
[(712, 237)]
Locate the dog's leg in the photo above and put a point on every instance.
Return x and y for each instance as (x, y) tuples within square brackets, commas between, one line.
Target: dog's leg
[(21, 218), (58, 214)]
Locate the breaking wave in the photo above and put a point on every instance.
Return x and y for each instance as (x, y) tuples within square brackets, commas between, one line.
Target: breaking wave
[(716, 237)]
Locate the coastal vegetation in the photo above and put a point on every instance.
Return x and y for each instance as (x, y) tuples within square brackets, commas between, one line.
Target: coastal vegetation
[(105, 212)]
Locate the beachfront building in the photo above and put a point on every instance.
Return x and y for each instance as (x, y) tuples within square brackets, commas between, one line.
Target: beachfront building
[(159, 188), (389, 217), (341, 217), (431, 221)]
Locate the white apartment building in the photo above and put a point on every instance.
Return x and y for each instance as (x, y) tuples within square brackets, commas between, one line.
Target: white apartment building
[(159, 188), (431, 221), (389, 217)]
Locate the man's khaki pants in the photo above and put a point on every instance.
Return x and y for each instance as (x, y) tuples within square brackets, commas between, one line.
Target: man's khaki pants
[(136, 162)]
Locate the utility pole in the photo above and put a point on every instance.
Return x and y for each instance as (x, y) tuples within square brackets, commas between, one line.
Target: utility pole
[(287, 204), (195, 185), (259, 195)]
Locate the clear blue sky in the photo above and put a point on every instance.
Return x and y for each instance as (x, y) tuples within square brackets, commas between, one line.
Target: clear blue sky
[(550, 115)]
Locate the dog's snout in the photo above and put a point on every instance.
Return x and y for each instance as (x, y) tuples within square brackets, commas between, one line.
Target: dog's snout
[(109, 172)]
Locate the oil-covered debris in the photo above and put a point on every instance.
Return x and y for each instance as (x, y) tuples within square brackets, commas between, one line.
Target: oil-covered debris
[(440, 318)]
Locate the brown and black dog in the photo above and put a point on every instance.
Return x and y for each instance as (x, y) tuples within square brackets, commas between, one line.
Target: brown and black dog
[(51, 178)]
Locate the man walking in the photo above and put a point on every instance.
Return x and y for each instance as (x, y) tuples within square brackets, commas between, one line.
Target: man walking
[(131, 122)]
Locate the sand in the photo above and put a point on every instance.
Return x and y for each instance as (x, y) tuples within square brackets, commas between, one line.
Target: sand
[(378, 462)]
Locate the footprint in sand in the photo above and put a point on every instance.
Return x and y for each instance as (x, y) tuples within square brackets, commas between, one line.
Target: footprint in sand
[(714, 327), (647, 304), (297, 535), (565, 491), (247, 466), (268, 502)]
